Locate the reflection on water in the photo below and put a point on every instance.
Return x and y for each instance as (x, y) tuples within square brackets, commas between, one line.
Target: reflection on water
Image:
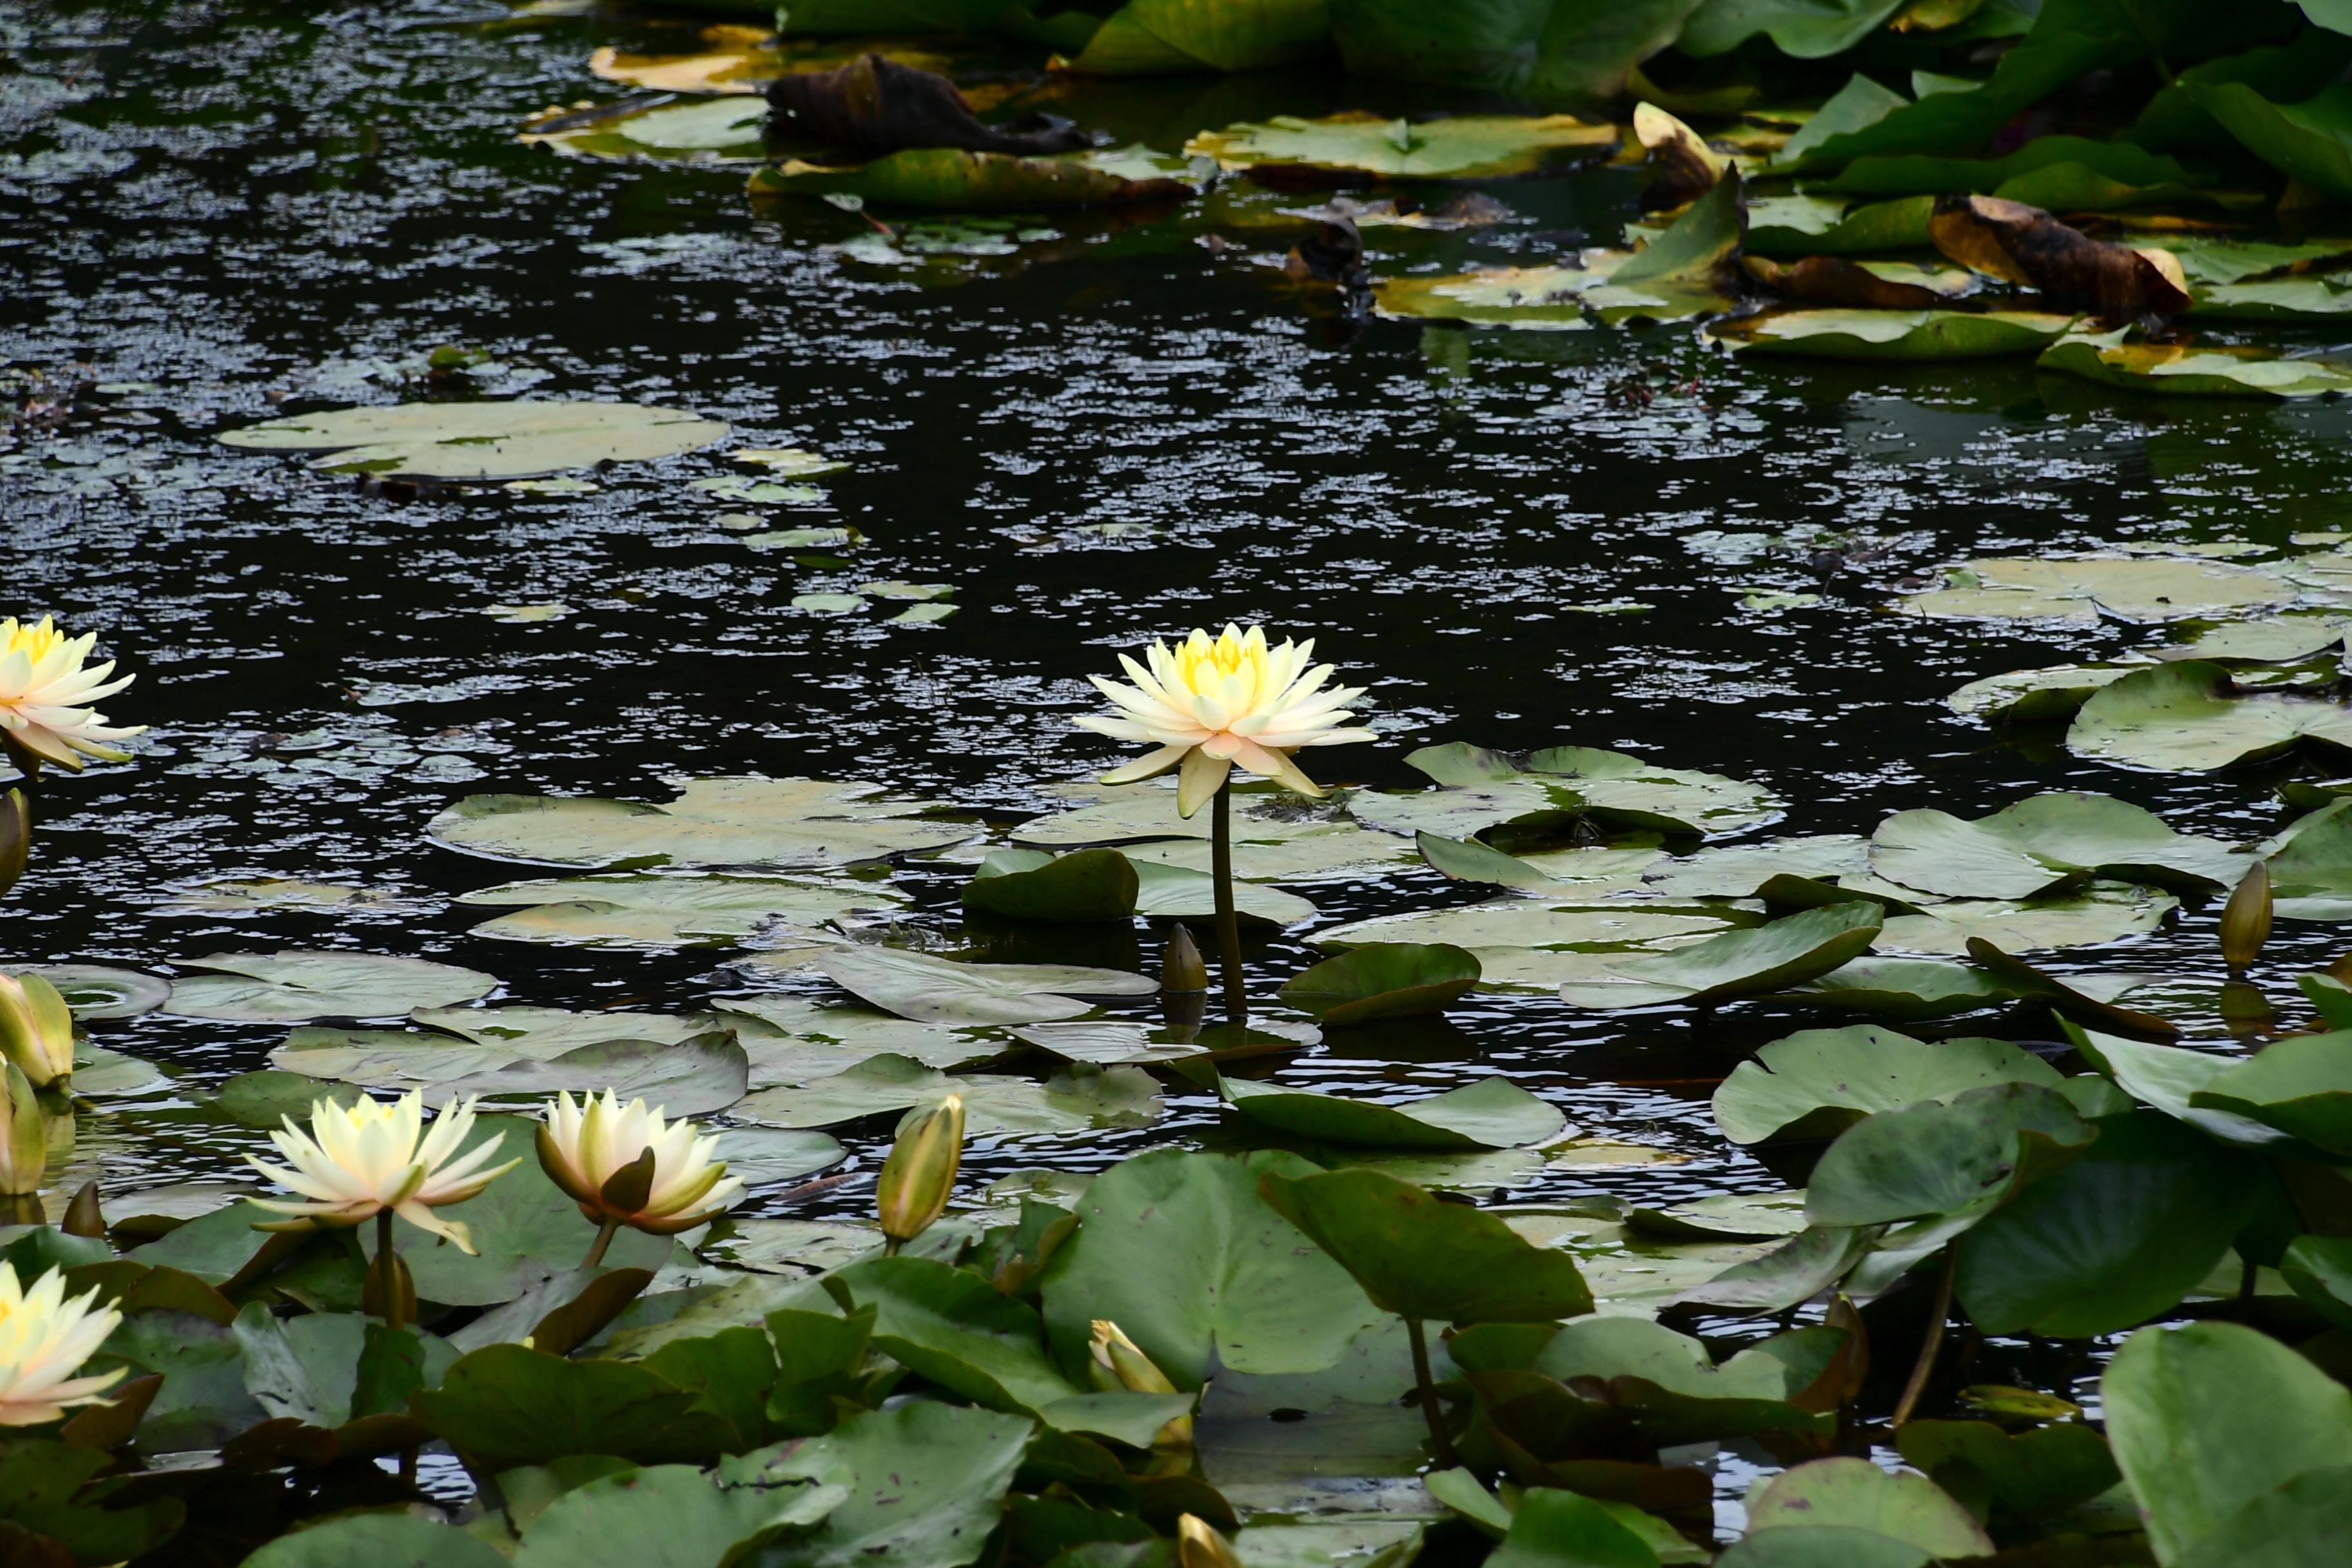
[(215, 212)]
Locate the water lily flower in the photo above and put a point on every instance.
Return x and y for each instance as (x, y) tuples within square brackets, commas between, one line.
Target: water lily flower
[(36, 1031), (1198, 1544), (368, 1159), (1207, 705), (44, 1340), (913, 1190), (629, 1167), (43, 693), (1118, 1362)]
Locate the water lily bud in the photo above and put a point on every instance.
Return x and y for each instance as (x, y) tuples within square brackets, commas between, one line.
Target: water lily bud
[(36, 1029), (24, 1148), (2246, 918), (84, 1217), (15, 836), (920, 1172), (1198, 1545), (1182, 967), (1119, 1362)]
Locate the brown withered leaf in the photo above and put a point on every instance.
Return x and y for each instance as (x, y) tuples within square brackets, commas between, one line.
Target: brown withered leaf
[(2026, 245), (1686, 166), (874, 106), (1834, 281)]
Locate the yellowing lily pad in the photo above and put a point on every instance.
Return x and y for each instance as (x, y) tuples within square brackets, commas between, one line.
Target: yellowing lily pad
[(724, 129), (2186, 370), (1892, 334), (948, 179)]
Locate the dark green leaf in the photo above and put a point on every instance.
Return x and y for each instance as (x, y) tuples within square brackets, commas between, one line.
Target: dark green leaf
[(1383, 980), (1493, 1113), (505, 1405), (1947, 1159), (1032, 885)]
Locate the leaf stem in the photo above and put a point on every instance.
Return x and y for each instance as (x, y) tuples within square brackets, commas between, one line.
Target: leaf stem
[(605, 1234), (1229, 929), (1440, 1441), (1937, 1311)]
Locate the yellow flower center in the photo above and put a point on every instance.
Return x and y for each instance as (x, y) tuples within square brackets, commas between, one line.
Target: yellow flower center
[(34, 641), (1206, 665)]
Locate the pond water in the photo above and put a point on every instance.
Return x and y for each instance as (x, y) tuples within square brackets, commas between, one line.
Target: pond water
[(216, 212)]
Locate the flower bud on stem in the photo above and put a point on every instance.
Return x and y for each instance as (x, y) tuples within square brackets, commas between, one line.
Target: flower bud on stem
[(920, 1173)]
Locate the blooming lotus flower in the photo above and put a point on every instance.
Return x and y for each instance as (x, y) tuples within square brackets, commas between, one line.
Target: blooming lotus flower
[(1208, 705), (36, 1029), (592, 1149), (357, 1162), (42, 688), (44, 1340)]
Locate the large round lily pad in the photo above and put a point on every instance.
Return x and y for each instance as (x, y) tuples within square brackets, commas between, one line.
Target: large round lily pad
[(2189, 717), (488, 440), (656, 910), (786, 823), (1470, 146), (2046, 845), (1817, 1083), (934, 990), (1383, 980), (2083, 588), (294, 986), (1915, 335)]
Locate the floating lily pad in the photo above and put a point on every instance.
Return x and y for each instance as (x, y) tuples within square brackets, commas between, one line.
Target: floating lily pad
[(2083, 588), (2311, 866), (2036, 695), (2181, 370), (99, 992), (1165, 892), (1591, 872), (1275, 835), (1814, 224), (487, 440), (1383, 980), (2189, 717), (294, 986), (728, 129), (1738, 870), (1901, 988), (1773, 957), (2046, 845), (2282, 640), (1817, 1083), (948, 179), (785, 823), (1072, 1101), (1910, 335), (2100, 913), (1465, 146), (657, 911), (1837, 1499), (1032, 885), (1482, 789), (1513, 923), (2301, 1085), (939, 991), (1494, 1113)]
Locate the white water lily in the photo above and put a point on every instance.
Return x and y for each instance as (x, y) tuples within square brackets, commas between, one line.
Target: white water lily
[(1209, 704), (44, 693), (44, 1340), (585, 1145), (359, 1161)]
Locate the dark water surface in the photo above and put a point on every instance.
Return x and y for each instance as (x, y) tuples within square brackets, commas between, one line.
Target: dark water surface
[(227, 211)]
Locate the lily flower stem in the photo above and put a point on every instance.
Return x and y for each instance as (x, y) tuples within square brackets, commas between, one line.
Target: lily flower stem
[(1441, 1442), (1229, 929), (605, 1234), (387, 1269), (1937, 1311)]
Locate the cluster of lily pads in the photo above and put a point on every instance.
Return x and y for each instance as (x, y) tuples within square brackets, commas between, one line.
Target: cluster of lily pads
[(2115, 190)]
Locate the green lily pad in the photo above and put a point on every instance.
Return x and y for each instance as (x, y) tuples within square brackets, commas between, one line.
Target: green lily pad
[(1425, 1259), (1518, 926), (2039, 1472), (293, 987), (671, 1514), (2115, 1237), (2318, 1269), (1901, 988), (1670, 1388), (1908, 335), (1775, 956), (399, 1538), (1165, 892), (1854, 1494), (2126, 587), (782, 822), (1383, 980), (2311, 866), (1493, 1113), (793, 1039), (2068, 996), (1811, 225), (955, 1328), (2046, 845), (1465, 146), (1180, 1251), (2194, 371), (1943, 1158), (2207, 1420), (2301, 1085), (948, 179), (647, 910), (1818, 1083), (1075, 1100), (1032, 885), (2168, 1078), (2189, 717), (485, 441), (933, 990), (2100, 913), (728, 129), (926, 1484), (2043, 696), (98, 993)]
